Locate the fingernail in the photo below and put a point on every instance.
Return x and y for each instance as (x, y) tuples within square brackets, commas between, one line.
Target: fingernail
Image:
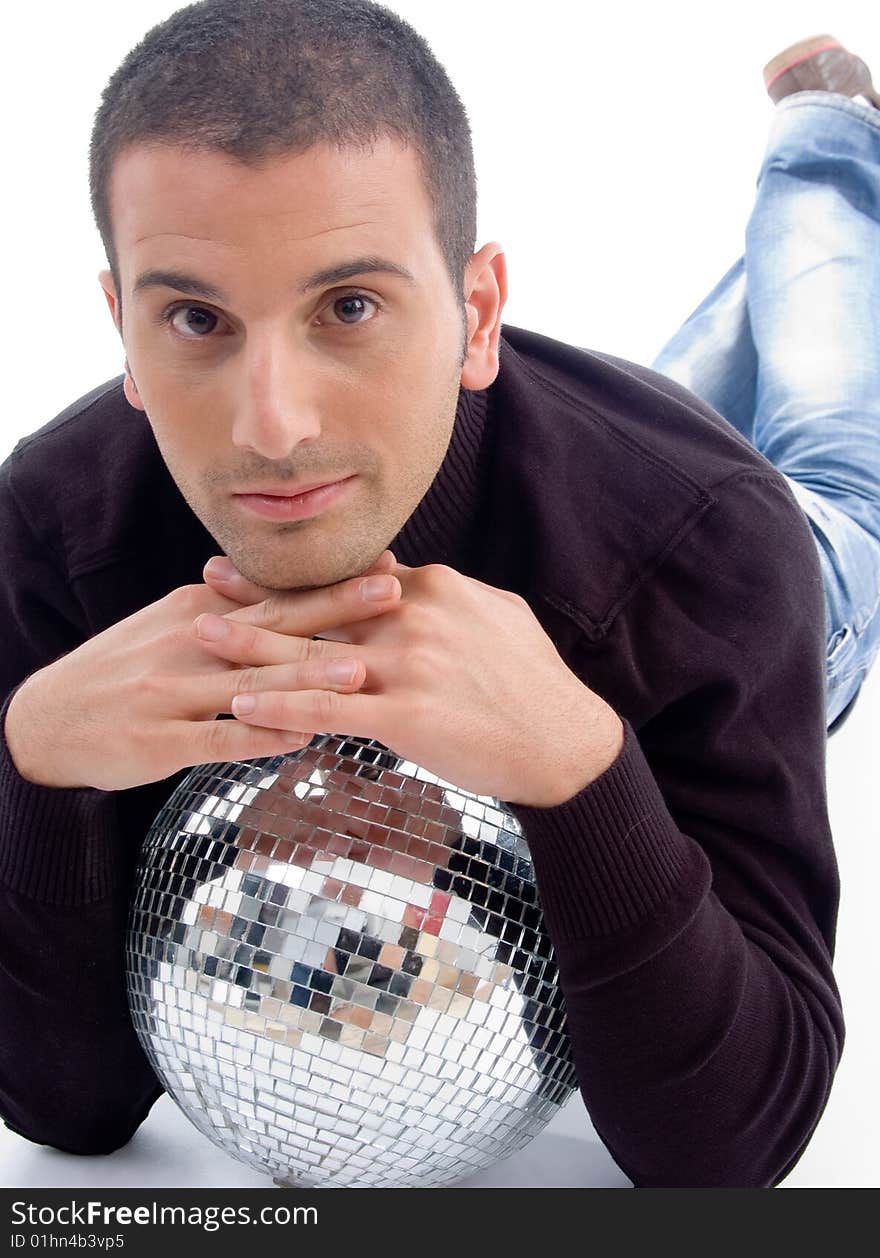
[(220, 568), (341, 670), (243, 704), (376, 588), (211, 628)]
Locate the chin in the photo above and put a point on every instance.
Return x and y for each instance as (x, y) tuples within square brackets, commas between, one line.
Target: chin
[(313, 572), (306, 555)]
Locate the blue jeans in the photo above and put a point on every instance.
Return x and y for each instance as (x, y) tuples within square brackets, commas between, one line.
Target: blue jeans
[(787, 348)]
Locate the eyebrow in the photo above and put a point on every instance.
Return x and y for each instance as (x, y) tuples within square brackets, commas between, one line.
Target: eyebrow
[(185, 283)]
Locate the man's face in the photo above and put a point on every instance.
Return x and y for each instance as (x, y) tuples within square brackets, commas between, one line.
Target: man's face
[(281, 378)]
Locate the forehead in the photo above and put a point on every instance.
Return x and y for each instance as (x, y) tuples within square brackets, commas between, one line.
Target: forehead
[(165, 196)]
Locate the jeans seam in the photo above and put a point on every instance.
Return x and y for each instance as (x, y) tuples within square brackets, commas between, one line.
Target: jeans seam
[(864, 662), (831, 100)]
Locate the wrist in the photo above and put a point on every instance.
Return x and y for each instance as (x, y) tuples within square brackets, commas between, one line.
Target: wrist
[(27, 761), (591, 747)]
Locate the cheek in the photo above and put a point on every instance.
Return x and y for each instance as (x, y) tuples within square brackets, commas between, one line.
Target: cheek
[(184, 443), (185, 411), (416, 445), (167, 373)]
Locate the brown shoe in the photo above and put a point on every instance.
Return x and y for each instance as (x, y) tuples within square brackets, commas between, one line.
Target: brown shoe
[(819, 64)]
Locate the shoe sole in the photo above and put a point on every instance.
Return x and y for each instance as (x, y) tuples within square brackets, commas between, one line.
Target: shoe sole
[(821, 64), (796, 54)]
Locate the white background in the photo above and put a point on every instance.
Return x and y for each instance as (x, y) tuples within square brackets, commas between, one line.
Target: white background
[(617, 148)]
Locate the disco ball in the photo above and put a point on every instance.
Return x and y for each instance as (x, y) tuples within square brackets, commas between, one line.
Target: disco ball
[(338, 969)]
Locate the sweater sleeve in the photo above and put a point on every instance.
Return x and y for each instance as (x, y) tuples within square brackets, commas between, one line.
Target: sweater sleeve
[(72, 1073), (691, 890)]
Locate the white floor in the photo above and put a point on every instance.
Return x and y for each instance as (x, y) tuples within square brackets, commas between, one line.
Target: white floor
[(168, 1152)]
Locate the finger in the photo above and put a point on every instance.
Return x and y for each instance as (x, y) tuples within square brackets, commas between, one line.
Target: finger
[(221, 574), (301, 663), (307, 612), (239, 643), (318, 711), (210, 742), (385, 563), (204, 696)]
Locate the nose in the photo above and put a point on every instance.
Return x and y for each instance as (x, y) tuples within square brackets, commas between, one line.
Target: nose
[(277, 406)]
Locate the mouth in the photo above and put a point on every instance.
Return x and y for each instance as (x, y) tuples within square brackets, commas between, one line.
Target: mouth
[(304, 504)]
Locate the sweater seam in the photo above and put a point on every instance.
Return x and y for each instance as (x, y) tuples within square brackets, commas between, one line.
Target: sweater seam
[(596, 630), (614, 433), (749, 663)]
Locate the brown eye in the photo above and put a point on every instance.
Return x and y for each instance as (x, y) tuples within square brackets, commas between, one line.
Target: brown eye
[(193, 321), (354, 308)]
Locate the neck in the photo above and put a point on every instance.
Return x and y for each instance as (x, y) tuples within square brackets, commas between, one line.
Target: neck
[(438, 530)]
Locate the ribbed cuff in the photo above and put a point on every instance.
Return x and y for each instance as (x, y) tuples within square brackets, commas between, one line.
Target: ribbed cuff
[(57, 846), (606, 858)]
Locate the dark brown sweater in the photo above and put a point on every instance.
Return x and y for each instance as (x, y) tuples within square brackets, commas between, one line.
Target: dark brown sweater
[(690, 892)]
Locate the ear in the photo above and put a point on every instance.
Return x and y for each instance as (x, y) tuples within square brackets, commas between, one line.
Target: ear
[(105, 279), (129, 387), (485, 292)]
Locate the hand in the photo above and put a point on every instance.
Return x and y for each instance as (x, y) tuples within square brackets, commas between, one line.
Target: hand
[(455, 675), (138, 702)]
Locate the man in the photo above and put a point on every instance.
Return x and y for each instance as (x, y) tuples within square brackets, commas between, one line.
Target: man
[(585, 594)]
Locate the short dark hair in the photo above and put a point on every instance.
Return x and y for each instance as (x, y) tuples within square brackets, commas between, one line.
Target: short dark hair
[(256, 79)]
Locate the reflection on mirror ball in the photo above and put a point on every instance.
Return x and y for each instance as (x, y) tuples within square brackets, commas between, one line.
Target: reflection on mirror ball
[(337, 967)]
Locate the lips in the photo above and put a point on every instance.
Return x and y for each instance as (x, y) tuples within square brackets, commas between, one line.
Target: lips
[(301, 504), (289, 490)]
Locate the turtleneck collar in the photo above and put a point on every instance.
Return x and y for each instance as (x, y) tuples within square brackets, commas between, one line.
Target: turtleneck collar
[(438, 530)]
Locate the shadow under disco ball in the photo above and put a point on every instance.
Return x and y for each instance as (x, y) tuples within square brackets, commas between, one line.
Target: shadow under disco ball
[(337, 967)]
